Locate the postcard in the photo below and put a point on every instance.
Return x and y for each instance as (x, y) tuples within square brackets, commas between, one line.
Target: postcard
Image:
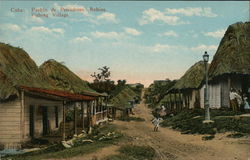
[(125, 80)]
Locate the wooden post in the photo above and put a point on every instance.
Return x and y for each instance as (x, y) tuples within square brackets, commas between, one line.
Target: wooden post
[(82, 109), (175, 102), (229, 88), (75, 118), (88, 115), (22, 116), (170, 97), (64, 120), (180, 100)]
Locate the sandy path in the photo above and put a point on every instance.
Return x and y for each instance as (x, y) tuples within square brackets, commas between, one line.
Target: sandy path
[(171, 145)]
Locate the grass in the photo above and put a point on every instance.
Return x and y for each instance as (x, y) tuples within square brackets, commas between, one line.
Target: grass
[(64, 153), (133, 152), (128, 119), (102, 136), (206, 138), (235, 135), (190, 122)]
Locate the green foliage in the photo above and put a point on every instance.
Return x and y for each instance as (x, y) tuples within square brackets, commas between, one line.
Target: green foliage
[(58, 151), (157, 91), (235, 135), (206, 138), (128, 119), (119, 157), (239, 124), (190, 122), (102, 82), (138, 152), (105, 133)]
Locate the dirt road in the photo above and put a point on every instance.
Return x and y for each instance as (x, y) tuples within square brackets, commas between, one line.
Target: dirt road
[(171, 145)]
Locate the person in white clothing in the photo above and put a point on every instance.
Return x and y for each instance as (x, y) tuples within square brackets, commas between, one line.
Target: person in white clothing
[(246, 104), (156, 122)]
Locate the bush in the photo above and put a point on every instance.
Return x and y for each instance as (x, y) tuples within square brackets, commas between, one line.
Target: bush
[(190, 122), (119, 157), (128, 119), (206, 138), (235, 135), (138, 152), (104, 133)]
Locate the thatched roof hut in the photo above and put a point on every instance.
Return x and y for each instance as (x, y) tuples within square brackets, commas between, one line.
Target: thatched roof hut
[(233, 53), (192, 79), (64, 79), (121, 100), (18, 69)]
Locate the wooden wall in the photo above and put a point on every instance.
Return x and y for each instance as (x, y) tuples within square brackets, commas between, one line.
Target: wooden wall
[(38, 103), (215, 95), (10, 124), (202, 96)]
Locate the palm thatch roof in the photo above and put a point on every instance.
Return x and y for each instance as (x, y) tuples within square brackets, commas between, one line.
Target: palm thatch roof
[(121, 100), (166, 98), (192, 79), (64, 79), (18, 69), (233, 53)]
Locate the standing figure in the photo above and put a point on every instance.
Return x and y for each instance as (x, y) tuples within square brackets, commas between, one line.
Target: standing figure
[(233, 100), (156, 122), (238, 95), (246, 104)]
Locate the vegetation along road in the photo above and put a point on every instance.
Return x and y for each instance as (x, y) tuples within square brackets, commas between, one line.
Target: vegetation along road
[(171, 145)]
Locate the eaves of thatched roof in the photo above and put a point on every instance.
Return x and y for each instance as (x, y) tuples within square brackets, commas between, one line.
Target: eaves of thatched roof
[(192, 79), (18, 69), (233, 53)]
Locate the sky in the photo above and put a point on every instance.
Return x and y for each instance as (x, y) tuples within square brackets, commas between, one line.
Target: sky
[(139, 41)]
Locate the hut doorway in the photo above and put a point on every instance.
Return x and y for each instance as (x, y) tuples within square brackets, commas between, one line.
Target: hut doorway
[(45, 120), (246, 86), (31, 120)]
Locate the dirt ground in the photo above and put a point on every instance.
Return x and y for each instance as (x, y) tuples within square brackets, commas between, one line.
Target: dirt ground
[(171, 145)]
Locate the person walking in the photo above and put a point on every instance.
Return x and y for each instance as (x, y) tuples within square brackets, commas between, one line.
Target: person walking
[(156, 123)]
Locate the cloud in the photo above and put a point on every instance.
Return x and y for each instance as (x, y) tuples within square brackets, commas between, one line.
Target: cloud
[(132, 31), (36, 19), (160, 47), (46, 30), (108, 35), (10, 27), (152, 15), (170, 33), (204, 47), (216, 34), (107, 16), (81, 39), (177, 49), (189, 11)]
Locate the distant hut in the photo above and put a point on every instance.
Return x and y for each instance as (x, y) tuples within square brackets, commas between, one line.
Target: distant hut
[(30, 106), (230, 67), (122, 103), (66, 80), (187, 88), (170, 100)]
